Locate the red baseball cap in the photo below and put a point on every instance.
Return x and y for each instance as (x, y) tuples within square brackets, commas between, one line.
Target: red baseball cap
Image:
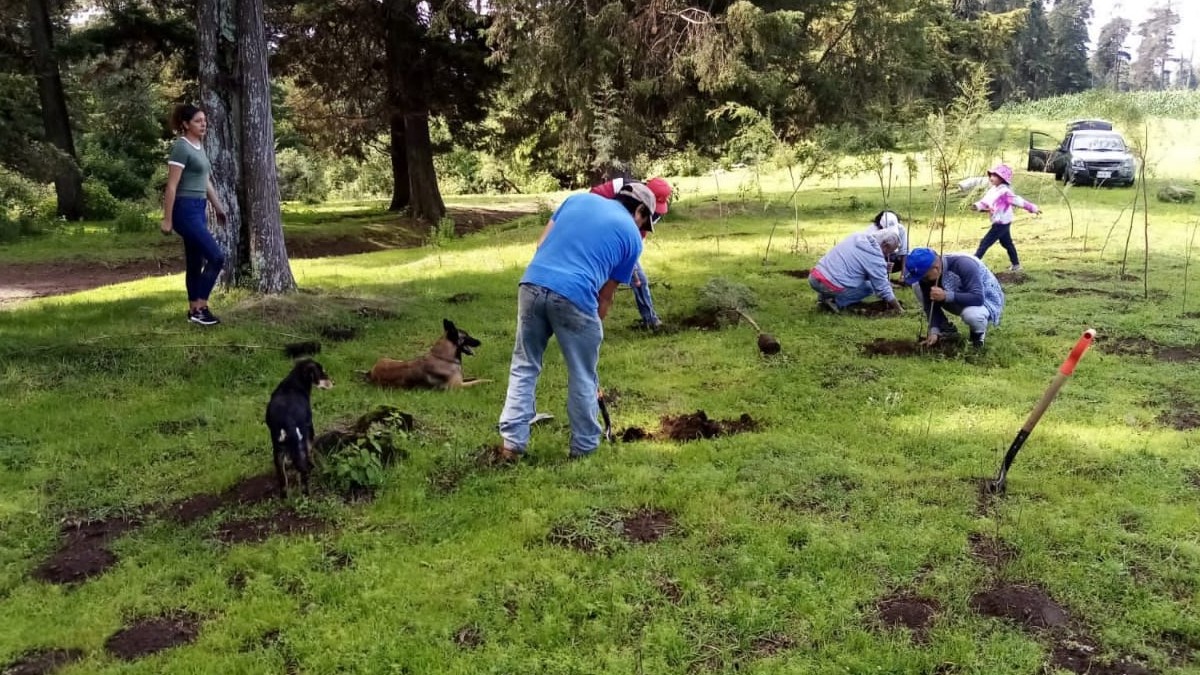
[(662, 193)]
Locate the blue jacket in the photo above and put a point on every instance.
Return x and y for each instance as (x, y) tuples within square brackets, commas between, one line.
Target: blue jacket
[(968, 283), (857, 260)]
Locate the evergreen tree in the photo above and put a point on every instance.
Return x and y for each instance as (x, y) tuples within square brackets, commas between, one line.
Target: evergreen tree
[(1158, 39), (1069, 46), (1108, 65)]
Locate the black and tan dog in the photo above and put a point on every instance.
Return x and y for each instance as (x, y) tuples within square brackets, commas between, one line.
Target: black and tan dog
[(441, 368), (289, 418)]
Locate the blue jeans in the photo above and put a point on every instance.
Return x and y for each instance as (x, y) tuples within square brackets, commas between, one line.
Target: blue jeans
[(641, 295), (999, 232), (200, 251), (542, 313), (845, 297)]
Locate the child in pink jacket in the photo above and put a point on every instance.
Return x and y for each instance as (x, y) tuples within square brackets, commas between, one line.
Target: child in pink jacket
[(999, 201)]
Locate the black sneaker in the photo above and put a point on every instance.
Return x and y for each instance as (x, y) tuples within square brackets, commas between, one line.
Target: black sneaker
[(977, 340), (203, 316)]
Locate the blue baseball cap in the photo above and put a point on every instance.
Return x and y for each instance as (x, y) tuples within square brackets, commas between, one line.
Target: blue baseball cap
[(917, 263)]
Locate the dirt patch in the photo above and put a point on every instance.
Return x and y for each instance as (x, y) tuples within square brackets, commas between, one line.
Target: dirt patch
[(1013, 278), (886, 347), (1078, 655), (24, 281), (338, 333), (468, 637), (1178, 354), (875, 309), (1141, 346), (908, 611), (43, 662), (709, 320), (635, 434), (257, 530), (991, 551), (646, 525), (462, 298), (192, 509), (152, 635), (799, 274), (252, 490), (1068, 291), (84, 551), (697, 426), (1180, 415), (1028, 606)]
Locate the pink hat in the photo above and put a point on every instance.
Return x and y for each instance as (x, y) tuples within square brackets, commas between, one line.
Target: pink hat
[(662, 193), (1003, 171)]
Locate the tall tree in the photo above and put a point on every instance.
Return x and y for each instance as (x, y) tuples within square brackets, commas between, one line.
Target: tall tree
[(1108, 61), (236, 95), (1033, 61), (68, 180), (1158, 41), (1069, 45)]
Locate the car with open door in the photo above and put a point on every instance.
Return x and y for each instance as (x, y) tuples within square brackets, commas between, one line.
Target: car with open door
[(1091, 153)]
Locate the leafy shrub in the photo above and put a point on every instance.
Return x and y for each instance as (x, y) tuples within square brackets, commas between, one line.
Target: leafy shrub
[(355, 469), (302, 178), (98, 202), (133, 218)]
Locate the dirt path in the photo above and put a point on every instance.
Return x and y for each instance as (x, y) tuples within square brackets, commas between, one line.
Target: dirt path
[(25, 281)]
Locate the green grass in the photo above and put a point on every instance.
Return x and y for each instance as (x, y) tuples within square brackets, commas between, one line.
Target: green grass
[(858, 486)]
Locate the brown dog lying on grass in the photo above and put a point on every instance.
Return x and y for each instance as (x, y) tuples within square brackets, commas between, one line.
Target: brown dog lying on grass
[(441, 368)]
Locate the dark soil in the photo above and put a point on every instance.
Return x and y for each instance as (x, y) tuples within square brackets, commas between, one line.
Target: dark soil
[(1073, 291), (875, 309), (43, 662), (248, 491), (768, 344), (697, 426), (338, 333), (1178, 354), (330, 441), (1028, 606), (710, 320), (151, 635), (646, 525), (634, 434), (468, 637), (908, 611), (1180, 415), (886, 347), (193, 508), (462, 298), (257, 530), (799, 274), (295, 350), (1140, 346), (252, 490), (1013, 278), (84, 551), (991, 552), (1078, 655)]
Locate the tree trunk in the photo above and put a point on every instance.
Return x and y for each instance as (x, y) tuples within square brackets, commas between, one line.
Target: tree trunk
[(401, 192), (267, 252), (218, 72), (427, 201), (68, 181)]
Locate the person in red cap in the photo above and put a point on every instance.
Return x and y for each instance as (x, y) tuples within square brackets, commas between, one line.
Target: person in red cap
[(641, 284)]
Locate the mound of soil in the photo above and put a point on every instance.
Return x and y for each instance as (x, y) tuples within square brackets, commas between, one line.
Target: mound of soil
[(192, 509), (1078, 655), (339, 436), (1141, 346), (908, 611), (257, 530), (248, 491), (468, 637), (886, 347), (646, 525), (710, 320), (152, 635), (295, 350), (697, 426), (1012, 278), (1180, 415), (84, 551), (43, 662), (1028, 606), (635, 434), (338, 333), (768, 344), (991, 552), (462, 298), (799, 274)]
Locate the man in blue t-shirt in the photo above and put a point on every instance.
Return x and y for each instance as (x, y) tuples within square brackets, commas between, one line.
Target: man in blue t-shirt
[(589, 247)]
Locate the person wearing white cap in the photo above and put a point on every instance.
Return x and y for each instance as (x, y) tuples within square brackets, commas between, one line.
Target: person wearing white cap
[(589, 247), (890, 220)]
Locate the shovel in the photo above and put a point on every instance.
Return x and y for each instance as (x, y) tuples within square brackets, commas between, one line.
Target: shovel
[(998, 485)]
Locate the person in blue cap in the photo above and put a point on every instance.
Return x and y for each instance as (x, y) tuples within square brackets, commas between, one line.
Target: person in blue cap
[(957, 283)]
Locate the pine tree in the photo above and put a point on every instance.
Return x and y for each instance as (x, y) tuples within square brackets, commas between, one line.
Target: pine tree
[(1158, 39), (1069, 45), (1107, 62), (1032, 57)]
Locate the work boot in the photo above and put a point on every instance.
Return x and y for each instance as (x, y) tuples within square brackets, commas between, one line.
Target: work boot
[(977, 340)]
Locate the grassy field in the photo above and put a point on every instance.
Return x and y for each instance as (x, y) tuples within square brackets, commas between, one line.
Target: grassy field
[(804, 547)]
